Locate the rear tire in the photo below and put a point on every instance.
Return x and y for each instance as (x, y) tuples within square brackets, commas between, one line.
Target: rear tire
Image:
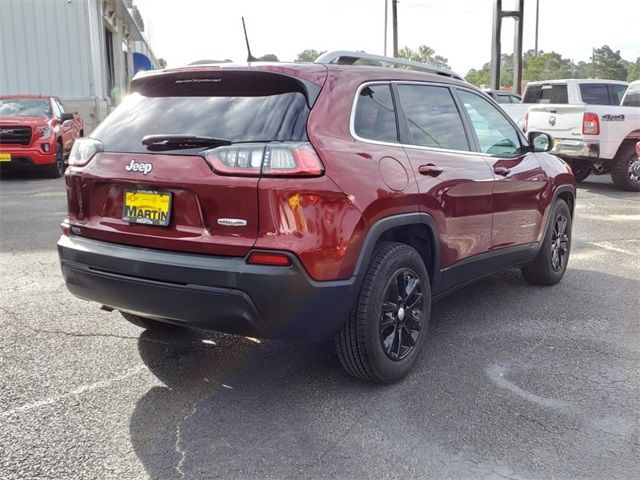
[(383, 338), (551, 263), (625, 172), (57, 169), (581, 170), (149, 324)]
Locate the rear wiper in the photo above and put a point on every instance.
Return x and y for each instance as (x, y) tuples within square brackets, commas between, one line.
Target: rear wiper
[(176, 141)]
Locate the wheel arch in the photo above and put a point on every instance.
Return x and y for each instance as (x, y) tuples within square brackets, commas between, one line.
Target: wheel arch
[(408, 228), (630, 139)]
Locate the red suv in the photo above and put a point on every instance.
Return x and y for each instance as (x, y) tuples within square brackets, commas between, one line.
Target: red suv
[(308, 200)]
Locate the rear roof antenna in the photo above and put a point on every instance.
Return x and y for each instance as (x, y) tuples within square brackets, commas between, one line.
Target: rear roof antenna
[(250, 58)]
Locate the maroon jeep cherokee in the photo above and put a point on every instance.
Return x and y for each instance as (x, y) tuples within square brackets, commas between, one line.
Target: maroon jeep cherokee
[(307, 200)]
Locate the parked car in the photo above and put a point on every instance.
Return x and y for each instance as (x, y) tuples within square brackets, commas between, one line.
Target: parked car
[(36, 133), (592, 131), (503, 96), (632, 95), (309, 200), (566, 92)]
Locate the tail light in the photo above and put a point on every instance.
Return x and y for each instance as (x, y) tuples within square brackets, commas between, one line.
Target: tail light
[(590, 124), (638, 149), (83, 151), (296, 159)]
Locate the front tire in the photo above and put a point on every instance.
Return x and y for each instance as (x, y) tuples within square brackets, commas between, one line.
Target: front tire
[(149, 324), (625, 172), (551, 263), (57, 169), (386, 333)]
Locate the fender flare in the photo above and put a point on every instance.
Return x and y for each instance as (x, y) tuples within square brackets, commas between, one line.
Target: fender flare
[(401, 220)]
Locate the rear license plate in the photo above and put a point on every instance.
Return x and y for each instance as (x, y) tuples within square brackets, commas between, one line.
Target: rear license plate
[(147, 207), (5, 157)]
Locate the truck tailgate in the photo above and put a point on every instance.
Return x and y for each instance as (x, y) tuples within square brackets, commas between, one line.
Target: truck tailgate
[(560, 121)]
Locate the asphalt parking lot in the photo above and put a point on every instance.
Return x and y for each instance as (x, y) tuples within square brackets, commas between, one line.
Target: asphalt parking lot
[(516, 381)]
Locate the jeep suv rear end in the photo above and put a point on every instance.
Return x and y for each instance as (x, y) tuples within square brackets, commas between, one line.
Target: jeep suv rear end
[(303, 201)]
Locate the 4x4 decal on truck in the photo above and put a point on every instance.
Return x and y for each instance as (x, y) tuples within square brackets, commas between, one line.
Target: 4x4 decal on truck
[(613, 118)]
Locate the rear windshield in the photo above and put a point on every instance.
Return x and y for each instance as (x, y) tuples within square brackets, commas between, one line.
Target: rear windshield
[(279, 117), (550, 93), (632, 97)]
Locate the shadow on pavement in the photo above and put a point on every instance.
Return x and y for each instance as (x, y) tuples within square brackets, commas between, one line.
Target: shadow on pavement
[(508, 370)]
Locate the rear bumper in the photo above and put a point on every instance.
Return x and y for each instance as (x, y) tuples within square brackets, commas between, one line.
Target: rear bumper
[(218, 293), (586, 149)]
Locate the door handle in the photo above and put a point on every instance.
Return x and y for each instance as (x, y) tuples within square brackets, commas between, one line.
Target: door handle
[(504, 171), (430, 170)]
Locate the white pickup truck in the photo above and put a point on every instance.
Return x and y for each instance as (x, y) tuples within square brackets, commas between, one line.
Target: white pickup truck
[(591, 130)]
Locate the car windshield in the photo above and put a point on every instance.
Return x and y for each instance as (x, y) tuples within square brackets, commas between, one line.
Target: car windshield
[(24, 107)]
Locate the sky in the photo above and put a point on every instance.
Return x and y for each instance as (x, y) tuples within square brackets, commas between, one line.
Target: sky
[(182, 31)]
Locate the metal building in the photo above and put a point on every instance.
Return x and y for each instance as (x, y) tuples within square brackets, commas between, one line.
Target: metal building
[(79, 50)]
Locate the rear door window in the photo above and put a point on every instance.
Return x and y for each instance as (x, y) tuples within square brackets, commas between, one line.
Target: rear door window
[(432, 116), (595, 93), (375, 117)]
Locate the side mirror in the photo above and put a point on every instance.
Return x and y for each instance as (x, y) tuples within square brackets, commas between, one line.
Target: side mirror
[(540, 142), (65, 116)]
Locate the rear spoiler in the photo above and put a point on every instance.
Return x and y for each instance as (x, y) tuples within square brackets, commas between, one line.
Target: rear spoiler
[(218, 82)]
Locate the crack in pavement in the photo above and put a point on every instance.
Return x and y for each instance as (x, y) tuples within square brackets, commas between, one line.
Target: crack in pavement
[(73, 393)]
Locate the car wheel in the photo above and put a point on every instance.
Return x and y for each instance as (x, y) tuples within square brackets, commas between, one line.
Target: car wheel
[(626, 169), (149, 324), (549, 266), (387, 330), (581, 170), (57, 169)]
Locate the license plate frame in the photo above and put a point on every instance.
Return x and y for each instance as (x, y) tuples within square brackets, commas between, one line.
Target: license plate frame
[(139, 205), (5, 157)]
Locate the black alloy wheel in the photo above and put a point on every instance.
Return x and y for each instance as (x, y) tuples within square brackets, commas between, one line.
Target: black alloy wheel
[(401, 314), (559, 243)]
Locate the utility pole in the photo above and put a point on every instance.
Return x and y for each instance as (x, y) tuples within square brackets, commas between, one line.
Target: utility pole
[(386, 22), (394, 14), (496, 53), (537, 16)]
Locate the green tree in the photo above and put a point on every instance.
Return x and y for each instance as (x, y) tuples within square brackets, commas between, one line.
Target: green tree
[(269, 57), (548, 66), (309, 55), (162, 63), (424, 54), (634, 71), (581, 70), (608, 64), (482, 77)]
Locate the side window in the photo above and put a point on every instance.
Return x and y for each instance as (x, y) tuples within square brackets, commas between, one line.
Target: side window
[(495, 134), (503, 98), (617, 93), (515, 99), (375, 117), (632, 97), (432, 117), (60, 106), (594, 93)]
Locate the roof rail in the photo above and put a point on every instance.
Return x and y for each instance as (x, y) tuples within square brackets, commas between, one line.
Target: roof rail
[(343, 57)]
